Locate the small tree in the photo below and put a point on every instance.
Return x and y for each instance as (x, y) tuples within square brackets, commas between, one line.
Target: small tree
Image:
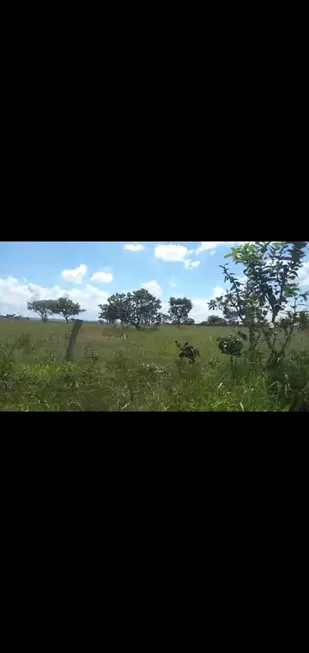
[(179, 309), (271, 270), (232, 346), (67, 308), (43, 307)]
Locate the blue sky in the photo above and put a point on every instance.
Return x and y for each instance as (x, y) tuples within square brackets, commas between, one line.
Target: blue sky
[(89, 272)]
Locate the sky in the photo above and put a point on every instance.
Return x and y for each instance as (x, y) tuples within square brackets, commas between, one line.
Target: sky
[(89, 272)]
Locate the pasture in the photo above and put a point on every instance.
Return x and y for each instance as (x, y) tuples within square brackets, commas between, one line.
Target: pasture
[(124, 369)]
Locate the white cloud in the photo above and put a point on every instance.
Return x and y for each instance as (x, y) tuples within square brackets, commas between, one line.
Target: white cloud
[(75, 275), (171, 252), (172, 283), (153, 287), (177, 253), (191, 264), (205, 245), (303, 275), (134, 248), (212, 245), (14, 296), (212, 252), (217, 292), (104, 277)]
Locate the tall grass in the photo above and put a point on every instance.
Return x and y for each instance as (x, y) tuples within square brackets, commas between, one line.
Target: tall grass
[(141, 372)]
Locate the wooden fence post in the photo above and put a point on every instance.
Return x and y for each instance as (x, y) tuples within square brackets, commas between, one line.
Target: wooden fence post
[(70, 350)]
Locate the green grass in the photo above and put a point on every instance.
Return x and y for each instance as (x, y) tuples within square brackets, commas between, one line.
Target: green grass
[(139, 373)]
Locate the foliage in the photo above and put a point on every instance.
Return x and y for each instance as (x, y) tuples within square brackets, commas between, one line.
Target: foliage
[(137, 308), (187, 352), (232, 346), (43, 307), (62, 306), (271, 270), (179, 309), (216, 320), (163, 318), (115, 309), (67, 308), (143, 308)]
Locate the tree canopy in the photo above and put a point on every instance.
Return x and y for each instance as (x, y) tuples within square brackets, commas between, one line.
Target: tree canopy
[(61, 306), (216, 320), (43, 307), (179, 309), (67, 308), (137, 308)]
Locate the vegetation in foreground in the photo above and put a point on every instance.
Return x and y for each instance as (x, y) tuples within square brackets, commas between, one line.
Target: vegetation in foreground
[(122, 369)]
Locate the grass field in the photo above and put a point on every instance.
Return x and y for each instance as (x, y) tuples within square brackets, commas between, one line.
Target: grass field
[(140, 372)]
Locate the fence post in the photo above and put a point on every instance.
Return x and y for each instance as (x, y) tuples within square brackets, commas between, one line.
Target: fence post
[(70, 350)]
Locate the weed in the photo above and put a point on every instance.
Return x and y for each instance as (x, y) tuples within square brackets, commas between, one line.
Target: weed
[(187, 352)]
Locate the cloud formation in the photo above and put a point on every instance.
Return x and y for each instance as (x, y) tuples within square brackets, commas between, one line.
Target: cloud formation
[(206, 245), (212, 245), (75, 275), (152, 287), (134, 248), (103, 277), (14, 296), (171, 252), (174, 252)]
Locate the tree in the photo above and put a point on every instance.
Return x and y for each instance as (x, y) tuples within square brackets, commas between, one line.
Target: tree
[(189, 321), (142, 308), (164, 318), (115, 309), (67, 308), (43, 307), (216, 320), (270, 288), (137, 308), (179, 310)]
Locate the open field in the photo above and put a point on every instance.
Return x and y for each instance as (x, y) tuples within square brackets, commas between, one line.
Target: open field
[(138, 372)]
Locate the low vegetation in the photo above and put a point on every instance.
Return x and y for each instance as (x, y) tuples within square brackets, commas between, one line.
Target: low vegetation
[(253, 356)]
